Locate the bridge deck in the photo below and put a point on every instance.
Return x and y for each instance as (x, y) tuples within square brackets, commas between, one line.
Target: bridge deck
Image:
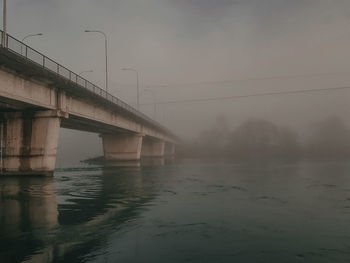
[(25, 60)]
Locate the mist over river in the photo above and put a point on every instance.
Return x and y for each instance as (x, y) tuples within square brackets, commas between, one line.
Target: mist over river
[(179, 211)]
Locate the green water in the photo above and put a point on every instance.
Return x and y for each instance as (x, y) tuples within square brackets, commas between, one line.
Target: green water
[(182, 211)]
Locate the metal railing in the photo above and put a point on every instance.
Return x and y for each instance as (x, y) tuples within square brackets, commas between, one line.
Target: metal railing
[(23, 50)]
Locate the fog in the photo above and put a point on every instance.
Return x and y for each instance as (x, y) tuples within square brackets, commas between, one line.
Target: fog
[(201, 49), (258, 139)]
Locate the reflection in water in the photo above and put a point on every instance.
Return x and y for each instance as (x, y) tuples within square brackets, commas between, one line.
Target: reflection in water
[(89, 215), (28, 210), (160, 161), (92, 202), (153, 161), (185, 212)]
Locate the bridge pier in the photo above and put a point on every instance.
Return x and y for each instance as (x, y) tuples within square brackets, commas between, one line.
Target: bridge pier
[(30, 141), (169, 149), (152, 148), (122, 147)]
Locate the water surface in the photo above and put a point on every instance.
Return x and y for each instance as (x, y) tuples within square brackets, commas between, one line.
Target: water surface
[(183, 211)]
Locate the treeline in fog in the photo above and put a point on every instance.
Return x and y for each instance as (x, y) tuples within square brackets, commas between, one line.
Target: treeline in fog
[(326, 139)]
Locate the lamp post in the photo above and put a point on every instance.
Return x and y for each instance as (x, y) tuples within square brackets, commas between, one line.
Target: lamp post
[(27, 36), (137, 85), (4, 24), (31, 35), (154, 102), (106, 55), (85, 71)]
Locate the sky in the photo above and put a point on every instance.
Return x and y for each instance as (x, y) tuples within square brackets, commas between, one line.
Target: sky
[(192, 49)]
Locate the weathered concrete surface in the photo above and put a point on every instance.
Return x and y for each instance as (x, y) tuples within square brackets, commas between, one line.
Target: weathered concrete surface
[(30, 141), (26, 91), (152, 148), (122, 147)]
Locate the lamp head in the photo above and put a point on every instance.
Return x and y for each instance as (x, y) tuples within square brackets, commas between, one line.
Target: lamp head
[(132, 69)]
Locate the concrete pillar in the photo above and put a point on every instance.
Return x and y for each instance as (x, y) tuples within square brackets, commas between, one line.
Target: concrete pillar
[(122, 147), (30, 141), (152, 148), (169, 149)]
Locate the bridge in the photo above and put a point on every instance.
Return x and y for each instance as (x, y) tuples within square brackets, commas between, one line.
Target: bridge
[(38, 96)]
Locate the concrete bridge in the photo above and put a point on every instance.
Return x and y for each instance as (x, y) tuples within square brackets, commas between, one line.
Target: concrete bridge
[(38, 96)]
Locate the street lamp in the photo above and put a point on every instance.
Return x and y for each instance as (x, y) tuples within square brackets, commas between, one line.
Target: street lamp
[(85, 71), (4, 24), (154, 102), (27, 36), (105, 36), (137, 85), (31, 35)]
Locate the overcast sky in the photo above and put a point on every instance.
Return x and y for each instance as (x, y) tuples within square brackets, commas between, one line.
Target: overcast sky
[(188, 49)]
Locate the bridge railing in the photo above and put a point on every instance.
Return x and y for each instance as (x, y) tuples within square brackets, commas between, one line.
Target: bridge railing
[(23, 50)]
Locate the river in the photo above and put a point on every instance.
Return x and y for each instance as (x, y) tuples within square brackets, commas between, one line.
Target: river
[(179, 211)]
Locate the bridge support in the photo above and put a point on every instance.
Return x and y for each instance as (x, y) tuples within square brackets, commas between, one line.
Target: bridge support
[(152, 148), (30, 142), (122, 147), (169, 149)]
